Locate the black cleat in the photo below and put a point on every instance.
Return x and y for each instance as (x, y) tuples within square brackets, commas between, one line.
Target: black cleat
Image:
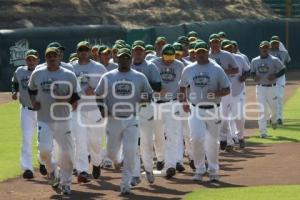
[(242, 143), (160, 165), (83, 177), (223, 145), (229, 148), (75, 173), (279, 122), (170, 172), (28, 174), (96, 172), (179, 167), (192, 165), (43, 170)]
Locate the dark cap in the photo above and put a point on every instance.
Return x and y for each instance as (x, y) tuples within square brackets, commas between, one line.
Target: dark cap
[(149, 48), (138, 44), (83, 44), (183, 40), (51, 50), (31, 53), (274, 39), (168, 49), (264, 43), (201, 46), (103, 49), (56, 45), (222, 34), (178, 47), (192, 34), (73, 56), (160, 39), (226, 43), (214, 37), (124, 51)]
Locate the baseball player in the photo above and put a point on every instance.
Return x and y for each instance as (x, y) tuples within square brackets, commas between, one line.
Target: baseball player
[(94, 52), (114, 52), (104, 57), (208, 83), (149, 49), (146, 113), (237, 102), (121, 90), (184, 41), (159, 43), (53, 92), (227, 62), (222, 35), (73, 57), (192, 34), (285, 58), (265, 70), (237, 51), (167, 109), (86, 120), (27, 114)]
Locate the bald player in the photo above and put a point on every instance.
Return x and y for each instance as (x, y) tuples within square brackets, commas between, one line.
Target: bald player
[(146, 113), (159, 43), (265, 70), (229, 65), (104, 57), (86, 124), (53, 92), (28, 119), (208, 83), (285, 58), (120, 91), (167, 108)]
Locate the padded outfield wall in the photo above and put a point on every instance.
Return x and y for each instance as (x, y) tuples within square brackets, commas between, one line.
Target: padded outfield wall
[(248, 33)]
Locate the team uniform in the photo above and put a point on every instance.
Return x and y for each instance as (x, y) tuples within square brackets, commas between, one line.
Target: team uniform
[(86, 120), (204, 129), (167, 107), (266, 89), (122, 92), (62, 64), (54, 119), (111, 66), (226, 61), (28, 117), (284, 57)]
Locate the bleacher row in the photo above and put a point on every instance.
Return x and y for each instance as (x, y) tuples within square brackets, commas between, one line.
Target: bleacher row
[(280, 7)]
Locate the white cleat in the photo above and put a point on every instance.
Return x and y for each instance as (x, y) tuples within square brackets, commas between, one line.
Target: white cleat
[(65, 190), (150, 177), (198, 177)]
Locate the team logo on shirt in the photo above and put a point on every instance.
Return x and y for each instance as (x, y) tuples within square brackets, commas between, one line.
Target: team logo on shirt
[(83, 78), (168, 74), (201, 80), (61, 89), (123, 88), (263, 69), (46, 85), (24, 82)]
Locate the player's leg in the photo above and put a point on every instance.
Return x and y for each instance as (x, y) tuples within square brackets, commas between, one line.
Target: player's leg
[(159, 136), (280, 101), (225, 138), (28, 124), (263, 116), (239, 117), (273, 105), (180, 142)]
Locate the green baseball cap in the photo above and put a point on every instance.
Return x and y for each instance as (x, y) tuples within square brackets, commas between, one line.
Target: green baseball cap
[(226, 43), (73, 56), (160, 39), (31, 53), (264, 43), (201, 46), (168, 49), (118, 46), (124, 51), (214, 37), (51, 50), (121, 42), (183, 40), (97, 46), (192, 46), (234, 43), (56, 45), (83, 44), (192, 34), (178, 47), (222, 34), (275, 38), (149, 48), (103, 49), (138, 44)]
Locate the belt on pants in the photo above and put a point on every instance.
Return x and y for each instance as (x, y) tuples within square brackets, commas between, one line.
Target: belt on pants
[(207, 106), (165, 101), (27, 107), (267, 85)]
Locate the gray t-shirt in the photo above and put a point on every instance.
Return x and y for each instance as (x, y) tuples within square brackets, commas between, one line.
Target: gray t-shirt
[(62, 64), (111, 66), (263, 67), (88, 76), (283, 56), (170, 76), (202, 80), (51, 85), (245, 57), (122, 91), (236, 85), (21, 76), (151, 56), (149, 70), (225, 60)]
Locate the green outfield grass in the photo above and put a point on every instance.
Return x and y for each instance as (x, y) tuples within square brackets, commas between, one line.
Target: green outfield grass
[(290, 131), (10, 142), (289, 192)]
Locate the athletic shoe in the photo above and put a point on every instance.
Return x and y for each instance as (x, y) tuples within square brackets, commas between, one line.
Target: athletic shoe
[(106, 164), (242, 143), (65, 190), (43, 170), (28, 174), (274, 126), (214, 178), (96, 172), (75, 172), (150, 177), (229, 148), (83, 177), (198, 177), (192, 165), (279, 122), (118, 166), (125, 189), (160, 165), (135, 181), (170, 172), (263, 135), (179, 167), (53, 180), (223, 145)]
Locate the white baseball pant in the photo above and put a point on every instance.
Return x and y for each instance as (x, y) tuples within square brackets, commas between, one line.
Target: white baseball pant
[(59, 131), (237, 124), (87, 128), (280, 86), (266, 96), (226, 132), (205, 136), (28, 125), (123, 133)]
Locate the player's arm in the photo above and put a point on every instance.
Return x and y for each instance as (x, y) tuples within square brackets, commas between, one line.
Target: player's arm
[(14, 87), (33, 91), (279, 68), (183, 85), (147, 91), (155, 81), (101, 92), (246, 72), (224, 84), (233, 67), (75, 92)]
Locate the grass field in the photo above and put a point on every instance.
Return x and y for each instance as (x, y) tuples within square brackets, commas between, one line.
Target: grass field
[(289, 192)]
